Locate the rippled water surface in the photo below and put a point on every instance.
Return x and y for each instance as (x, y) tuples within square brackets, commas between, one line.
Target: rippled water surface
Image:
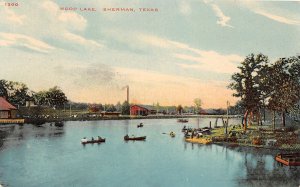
[(33, 156)]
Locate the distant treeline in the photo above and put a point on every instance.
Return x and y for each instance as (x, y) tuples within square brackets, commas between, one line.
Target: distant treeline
[(18, 94)]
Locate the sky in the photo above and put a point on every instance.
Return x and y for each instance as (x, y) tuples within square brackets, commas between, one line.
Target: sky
[(187, 49)]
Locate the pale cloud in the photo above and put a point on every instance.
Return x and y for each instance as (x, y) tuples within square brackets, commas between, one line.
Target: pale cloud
[(277, 18), (70, 20), (81, 40), (154, 41), (209, 61), (185, 7), (73, 20), (223, 19), (20, 40), (274, 13), (11, 17)]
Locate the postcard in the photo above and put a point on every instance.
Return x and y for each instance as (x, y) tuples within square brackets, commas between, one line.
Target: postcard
[(149, 93)]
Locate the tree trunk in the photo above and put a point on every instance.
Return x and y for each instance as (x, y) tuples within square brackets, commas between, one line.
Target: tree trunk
[(245, 120), (264, 112), (283, 118), (250, 119), (274, 120)]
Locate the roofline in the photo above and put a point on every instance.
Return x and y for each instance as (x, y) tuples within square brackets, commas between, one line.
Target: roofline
[(139, 106)]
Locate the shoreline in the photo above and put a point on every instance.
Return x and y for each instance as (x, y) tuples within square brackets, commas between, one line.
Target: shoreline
[(99, 118)]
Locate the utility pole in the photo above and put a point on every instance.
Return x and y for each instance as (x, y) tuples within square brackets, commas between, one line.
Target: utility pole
[(128, 99), (70, 110), (227, 118)]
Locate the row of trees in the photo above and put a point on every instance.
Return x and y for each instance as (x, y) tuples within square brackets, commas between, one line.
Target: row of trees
[(18, 93), (123, 108), (261, 84)]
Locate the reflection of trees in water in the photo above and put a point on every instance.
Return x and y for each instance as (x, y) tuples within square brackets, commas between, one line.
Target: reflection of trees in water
[(14, 135), (4, 133), (255, 165), (48, 131), (126, 123)]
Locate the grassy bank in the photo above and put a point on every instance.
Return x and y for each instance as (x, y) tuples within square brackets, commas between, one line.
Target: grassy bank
[(256, 136)]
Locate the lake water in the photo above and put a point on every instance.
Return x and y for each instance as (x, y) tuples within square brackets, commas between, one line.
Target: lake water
[(33, 156)]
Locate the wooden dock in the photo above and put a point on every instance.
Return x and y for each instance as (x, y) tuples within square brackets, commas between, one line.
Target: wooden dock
[(292, 159), (199, 140), (12, 121)]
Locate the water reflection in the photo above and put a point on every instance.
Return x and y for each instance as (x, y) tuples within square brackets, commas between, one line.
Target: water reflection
[(261, 169), (12, 135), (42, 152)]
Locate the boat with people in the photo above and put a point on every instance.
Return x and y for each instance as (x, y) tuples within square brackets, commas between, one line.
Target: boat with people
[(289, 159), (184, 129), (91, 141), (140, 138), (182, 120), (172, 134), (140, 125)]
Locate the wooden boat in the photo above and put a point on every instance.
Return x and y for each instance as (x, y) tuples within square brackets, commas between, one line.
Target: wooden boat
[(172, 134), (141, 138), (84, 141), (289, 159), (140, 125), (182, 120)]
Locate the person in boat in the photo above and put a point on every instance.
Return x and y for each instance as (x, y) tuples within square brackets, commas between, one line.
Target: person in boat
[(92, 138), (126, 136), (99, 138), (84, 140)]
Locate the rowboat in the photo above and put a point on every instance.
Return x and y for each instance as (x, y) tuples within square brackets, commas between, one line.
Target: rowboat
[(141, 138), (85, 141), (182, 120), (172, 134), (291, 159)]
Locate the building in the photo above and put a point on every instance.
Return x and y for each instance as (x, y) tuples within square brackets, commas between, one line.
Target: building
[(7, 110), (142, 110)]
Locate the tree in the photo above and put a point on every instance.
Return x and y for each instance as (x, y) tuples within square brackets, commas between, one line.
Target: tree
[(119, 107), (247, 85), (54, 97), (14, 92), (125, 108), (179, 109), (198, 104), (93, 108), (3, 88), (284, 85), (157, 107), (110, 108)]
